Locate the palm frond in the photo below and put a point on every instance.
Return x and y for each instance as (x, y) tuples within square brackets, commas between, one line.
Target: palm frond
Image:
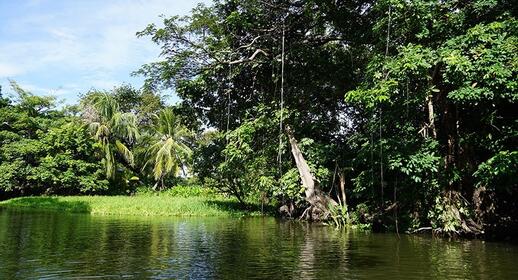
[(170, 150), (124, 152)]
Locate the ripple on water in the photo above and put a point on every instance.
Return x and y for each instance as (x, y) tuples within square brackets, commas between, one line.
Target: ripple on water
[(58, 246)]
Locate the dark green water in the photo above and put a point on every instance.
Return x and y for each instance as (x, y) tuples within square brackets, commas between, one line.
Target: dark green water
[(62, 246)]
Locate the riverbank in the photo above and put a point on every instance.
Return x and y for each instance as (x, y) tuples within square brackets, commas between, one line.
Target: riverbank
[(177, 202)]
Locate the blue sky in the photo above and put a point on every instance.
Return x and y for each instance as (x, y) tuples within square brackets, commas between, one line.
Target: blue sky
[(66, 47)]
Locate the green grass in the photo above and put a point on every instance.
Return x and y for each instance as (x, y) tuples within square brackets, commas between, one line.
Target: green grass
[(170, 203)]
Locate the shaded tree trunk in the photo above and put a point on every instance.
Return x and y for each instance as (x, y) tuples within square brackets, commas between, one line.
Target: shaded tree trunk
[(429, 101), (453, 199), (344, 196), (431, 118), (341, 177)]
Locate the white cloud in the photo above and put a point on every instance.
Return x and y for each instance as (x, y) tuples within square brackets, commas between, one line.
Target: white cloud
[(89, 43), (7, 70)]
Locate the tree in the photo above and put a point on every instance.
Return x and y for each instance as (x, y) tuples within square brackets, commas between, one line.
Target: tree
[(111, 128), (224, 62), (429, 87), (141, 102), (169, 151), (44, 150), (449, 66)]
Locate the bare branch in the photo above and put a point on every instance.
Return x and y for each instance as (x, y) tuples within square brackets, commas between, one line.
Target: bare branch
[(250, 44), (251, 58)]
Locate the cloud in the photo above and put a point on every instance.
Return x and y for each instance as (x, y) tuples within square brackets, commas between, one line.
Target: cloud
[(86, 43), (7, 70)]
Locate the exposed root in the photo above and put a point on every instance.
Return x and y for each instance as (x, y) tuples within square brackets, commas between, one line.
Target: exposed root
[(463, 224)]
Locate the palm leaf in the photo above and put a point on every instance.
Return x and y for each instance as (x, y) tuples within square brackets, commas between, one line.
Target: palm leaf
[(124, 152)]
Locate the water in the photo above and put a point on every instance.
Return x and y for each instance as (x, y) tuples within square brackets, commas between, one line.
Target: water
[(64, 246)]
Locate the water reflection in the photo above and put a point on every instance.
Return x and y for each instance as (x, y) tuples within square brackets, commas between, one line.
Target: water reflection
[(57, 246)]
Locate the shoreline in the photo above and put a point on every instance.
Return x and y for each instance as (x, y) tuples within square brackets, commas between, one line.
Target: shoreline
[(137, 205)]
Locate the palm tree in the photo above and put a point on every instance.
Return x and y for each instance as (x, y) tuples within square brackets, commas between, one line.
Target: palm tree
[(169, 152), (111, 128)]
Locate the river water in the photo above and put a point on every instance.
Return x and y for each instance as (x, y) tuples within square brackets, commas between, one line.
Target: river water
[(80, 246)]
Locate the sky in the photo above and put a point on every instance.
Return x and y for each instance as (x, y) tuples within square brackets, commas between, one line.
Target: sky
[(67, 47)]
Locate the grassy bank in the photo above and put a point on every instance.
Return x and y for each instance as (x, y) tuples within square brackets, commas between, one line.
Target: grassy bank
[(179, 201)]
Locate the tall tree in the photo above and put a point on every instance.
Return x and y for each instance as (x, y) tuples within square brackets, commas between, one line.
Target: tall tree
[(169, 151), (225, 62), (112, 129), (450, 67)]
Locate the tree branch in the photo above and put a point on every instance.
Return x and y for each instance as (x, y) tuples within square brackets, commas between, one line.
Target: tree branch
[(251, 58)]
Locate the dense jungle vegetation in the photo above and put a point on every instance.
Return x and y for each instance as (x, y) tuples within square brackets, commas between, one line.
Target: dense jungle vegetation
[(409, 107)]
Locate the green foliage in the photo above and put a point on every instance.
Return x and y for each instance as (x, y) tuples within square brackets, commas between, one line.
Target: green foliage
[(358, 218), (429, 90), (290, 187), (168, 152), (12, 175), (483, 63), (245, 170), (500, 172), (112, 129), (427, 127), (459, 60), (446, 216), (64, 169), (47, 204), (418, 167), (179, 191), (340, 215), (32, 104), (373, 96), (143, 103), (45, 152)]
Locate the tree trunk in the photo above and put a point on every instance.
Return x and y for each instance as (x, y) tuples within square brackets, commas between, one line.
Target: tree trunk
[(450, 139), (344, 196), (341, 177), (319, 201), (429, 100), (431, 118), (453, 200)]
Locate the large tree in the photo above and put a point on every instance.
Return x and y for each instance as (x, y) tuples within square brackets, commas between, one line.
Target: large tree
[(44, 150), (429, 89), (111, 128), (168, 151), (231, 61), (439, 89)]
